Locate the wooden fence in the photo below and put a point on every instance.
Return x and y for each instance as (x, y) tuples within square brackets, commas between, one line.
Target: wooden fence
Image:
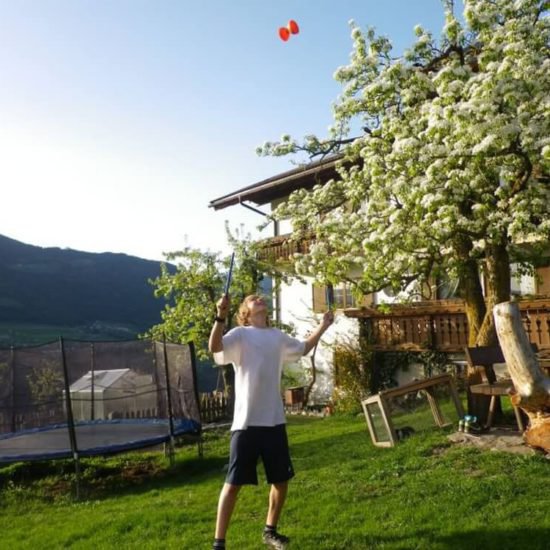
[(214, 407)]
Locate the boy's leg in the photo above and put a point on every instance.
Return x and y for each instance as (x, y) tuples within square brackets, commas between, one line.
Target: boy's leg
[(271, 536), (279, 470), (226, 505), (277, 496), (243, 456)]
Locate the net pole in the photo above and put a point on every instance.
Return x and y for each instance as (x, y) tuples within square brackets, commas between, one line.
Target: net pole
[(156, 376), (69, 414), (169, 400), (195, 378), (92, 369), (196, 394)]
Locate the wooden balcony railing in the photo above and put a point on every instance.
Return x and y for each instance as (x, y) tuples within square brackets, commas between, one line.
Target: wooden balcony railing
[(442, 325), (282, 248)]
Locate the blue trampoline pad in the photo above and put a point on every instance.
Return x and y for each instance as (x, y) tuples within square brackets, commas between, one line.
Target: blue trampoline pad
[(92, 438)]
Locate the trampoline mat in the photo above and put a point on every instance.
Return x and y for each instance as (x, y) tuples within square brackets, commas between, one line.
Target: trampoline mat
[(92, 438)]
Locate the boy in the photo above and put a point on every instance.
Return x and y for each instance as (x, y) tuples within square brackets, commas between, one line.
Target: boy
[(258, 353)]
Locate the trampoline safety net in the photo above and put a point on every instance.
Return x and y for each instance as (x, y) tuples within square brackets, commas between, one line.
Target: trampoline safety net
[(93, 398)]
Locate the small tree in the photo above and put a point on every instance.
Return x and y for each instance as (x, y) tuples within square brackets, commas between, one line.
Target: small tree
[(46, 384), (191, 293)]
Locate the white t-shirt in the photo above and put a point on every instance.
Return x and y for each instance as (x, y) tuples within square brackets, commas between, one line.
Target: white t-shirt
[(258, 355)]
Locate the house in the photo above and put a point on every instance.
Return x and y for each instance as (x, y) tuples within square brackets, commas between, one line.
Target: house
[(116, 393), (437, 321)]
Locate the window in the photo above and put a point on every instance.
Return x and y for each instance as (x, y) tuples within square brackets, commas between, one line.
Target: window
[(343, 298)]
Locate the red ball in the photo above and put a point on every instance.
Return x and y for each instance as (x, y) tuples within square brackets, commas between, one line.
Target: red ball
[(293, 27), (284, 33)]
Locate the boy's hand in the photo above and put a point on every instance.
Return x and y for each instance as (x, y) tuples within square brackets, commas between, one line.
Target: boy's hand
[(328, 319), (223, 306)]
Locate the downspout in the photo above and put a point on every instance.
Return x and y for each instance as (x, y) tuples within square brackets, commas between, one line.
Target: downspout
[(252, 208)]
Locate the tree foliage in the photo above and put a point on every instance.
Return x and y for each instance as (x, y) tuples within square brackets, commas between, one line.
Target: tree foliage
[(192, 292), (46, 383), (451, 170)]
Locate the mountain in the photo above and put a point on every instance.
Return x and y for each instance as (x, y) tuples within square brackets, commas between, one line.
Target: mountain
[(64, 287)]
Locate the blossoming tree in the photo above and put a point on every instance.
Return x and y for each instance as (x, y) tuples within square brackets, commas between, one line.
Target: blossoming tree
[(446, 159), (191, 293)]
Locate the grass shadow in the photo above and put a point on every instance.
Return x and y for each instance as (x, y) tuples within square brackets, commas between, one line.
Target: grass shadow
[(422, 539)]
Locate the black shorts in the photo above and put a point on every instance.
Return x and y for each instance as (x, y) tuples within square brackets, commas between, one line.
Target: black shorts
[(268, 442)]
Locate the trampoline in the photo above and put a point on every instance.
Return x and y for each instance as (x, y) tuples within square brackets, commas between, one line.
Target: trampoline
[(93, 438), (72, 399)]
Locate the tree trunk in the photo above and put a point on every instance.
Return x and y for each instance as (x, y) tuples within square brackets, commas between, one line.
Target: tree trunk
[(471, 292), (497, 290), (532, 386)]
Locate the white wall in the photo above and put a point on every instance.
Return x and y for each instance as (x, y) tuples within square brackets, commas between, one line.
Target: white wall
[(522, 284), (297, 310)]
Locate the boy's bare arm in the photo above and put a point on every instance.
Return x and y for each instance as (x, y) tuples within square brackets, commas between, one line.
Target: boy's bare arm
[(215, 342), (313, 339)]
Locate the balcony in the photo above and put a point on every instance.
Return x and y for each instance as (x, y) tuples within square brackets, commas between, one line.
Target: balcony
[(282, 248), (442, 325)]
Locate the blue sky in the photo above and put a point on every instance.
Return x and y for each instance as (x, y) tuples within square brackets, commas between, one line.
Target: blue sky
[(120, 120)]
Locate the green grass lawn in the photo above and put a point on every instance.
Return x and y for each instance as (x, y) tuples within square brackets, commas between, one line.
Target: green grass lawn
[(425, 493)]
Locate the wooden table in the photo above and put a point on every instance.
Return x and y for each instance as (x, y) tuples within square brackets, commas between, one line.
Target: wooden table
[(381, 400), (495, 390)]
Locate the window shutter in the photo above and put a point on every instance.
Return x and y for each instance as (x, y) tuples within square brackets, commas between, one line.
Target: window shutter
[(319, 299), (543, 281), (367, 300)]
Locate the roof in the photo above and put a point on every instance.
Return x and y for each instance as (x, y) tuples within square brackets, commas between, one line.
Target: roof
[(276, 187), (102, 379)]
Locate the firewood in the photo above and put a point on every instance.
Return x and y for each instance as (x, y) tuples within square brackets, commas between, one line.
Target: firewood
[(532, 386)]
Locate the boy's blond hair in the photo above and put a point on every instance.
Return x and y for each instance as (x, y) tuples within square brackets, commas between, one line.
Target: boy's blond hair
[(243, 315)]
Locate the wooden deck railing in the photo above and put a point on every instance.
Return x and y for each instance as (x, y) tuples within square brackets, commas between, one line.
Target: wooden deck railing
[(442, 325), (439, 324)]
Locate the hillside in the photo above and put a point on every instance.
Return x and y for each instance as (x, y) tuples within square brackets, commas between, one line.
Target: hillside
[(63, 287)]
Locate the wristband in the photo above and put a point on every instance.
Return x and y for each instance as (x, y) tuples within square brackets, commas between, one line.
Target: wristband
[(219, 319)]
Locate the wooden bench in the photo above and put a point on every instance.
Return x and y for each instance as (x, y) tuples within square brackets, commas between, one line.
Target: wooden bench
[(495, 391), (381, 400), (484, 358)]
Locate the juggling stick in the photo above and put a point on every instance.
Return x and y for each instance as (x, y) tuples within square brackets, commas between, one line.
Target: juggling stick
[(229, 275)]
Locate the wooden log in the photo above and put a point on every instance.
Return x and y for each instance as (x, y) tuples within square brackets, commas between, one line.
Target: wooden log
[(532, 386)]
